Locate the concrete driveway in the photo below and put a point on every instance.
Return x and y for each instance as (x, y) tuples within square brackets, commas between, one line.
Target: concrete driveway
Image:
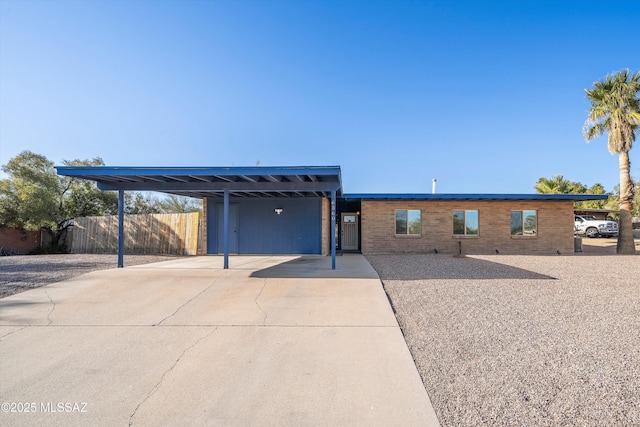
[(274, 340)]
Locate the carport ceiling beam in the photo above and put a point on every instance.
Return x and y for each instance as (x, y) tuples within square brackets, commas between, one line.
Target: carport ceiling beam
[(192, 194), (151, 178), (200, 178), (271, 178), (232, 186), (178, 178)]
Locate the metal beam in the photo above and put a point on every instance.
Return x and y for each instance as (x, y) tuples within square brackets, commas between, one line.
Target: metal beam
[(271, 178), (218, 186), (225, 227), (333, 229), (200, 178), (178, 178), (151, 178)]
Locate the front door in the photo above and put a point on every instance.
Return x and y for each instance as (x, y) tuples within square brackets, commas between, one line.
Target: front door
[(233, 228), (349, 236)]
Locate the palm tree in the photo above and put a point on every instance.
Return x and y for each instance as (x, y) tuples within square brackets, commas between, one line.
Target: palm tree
[(558, 185), (615, 108)]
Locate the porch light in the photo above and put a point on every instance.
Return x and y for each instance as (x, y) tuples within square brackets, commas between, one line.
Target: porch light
[(278, 211)]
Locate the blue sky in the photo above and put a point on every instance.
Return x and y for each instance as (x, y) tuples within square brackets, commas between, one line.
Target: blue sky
[(485, 96)]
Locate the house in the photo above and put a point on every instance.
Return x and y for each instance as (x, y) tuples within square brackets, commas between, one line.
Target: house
[(466, 223), (302, 210)]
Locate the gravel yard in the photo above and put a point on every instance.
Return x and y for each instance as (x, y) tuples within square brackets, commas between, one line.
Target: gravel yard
[(23, 272), (522, 340)]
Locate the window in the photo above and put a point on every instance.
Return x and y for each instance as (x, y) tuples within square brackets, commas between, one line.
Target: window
[(465, 223), (408, 222), (524, 223)]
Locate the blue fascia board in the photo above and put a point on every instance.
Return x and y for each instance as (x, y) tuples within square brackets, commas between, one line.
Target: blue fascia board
[(187, 171), (463, 197)]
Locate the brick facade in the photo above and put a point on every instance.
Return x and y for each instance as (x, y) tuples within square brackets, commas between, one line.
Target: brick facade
[(18, 242), (555, 228)]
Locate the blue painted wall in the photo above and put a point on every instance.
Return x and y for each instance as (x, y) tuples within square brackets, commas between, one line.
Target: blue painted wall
[(298, 230)]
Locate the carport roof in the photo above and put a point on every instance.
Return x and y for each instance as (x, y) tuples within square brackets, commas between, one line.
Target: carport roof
[(243, 181)]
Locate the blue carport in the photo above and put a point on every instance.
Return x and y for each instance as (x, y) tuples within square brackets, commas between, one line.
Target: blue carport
[(221, 183)]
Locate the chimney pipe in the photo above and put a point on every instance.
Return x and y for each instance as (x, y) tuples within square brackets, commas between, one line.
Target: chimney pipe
[(433, 186)]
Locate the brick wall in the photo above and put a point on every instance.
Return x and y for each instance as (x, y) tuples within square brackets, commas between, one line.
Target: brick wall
[(16, 241), (555, 227)]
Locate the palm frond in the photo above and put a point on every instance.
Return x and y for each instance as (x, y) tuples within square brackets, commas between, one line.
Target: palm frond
[(593, 130), (615, 108)]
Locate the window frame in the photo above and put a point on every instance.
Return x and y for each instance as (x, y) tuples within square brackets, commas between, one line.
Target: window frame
[(408, 222), (464, 211), (523, 235)]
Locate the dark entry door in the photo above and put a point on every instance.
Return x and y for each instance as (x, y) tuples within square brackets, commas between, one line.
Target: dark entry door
[(233, 229), (349, 237)]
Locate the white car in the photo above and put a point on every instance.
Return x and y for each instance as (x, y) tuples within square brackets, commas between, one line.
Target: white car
[(591, 227)]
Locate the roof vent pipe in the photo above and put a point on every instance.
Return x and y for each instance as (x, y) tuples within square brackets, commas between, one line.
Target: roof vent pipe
[(433, 186)]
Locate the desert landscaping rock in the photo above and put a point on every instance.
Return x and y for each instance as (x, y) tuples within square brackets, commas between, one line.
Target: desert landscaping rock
[(522, 340), (23, 272)]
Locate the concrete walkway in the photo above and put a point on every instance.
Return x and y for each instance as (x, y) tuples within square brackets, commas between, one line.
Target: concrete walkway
[(274, 340)]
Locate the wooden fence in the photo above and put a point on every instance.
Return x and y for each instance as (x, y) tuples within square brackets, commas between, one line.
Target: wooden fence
[(176, 234)]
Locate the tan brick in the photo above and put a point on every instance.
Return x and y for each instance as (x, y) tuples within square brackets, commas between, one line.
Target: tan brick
[(555, 227)]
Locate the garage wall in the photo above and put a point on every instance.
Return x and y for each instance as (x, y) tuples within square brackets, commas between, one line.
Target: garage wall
[(298, 230), (555, 228)]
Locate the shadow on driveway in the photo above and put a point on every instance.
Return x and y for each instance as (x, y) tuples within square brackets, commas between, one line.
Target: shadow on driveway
[(315, 266)]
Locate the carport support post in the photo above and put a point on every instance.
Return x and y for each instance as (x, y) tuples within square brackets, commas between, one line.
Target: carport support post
[(225, 228), (333, 229), (120, 228)]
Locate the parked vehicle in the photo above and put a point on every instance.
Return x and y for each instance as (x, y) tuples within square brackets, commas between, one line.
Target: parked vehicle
[(591, 227)]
